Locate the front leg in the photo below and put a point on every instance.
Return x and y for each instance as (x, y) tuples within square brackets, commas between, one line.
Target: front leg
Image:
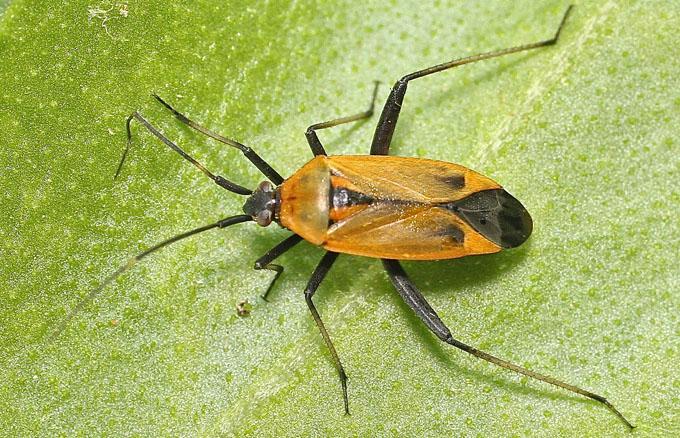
[(314, 282), (265, 262), (313, 139)]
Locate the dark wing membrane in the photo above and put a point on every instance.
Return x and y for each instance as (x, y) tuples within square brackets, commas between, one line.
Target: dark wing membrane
[(409, 179), (406, 232), (495, 214)]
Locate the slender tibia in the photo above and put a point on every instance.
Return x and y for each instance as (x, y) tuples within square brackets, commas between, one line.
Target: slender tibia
[(314, 282), (390, 113)]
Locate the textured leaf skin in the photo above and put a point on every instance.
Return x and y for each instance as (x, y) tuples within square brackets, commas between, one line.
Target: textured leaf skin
[(585, 134)]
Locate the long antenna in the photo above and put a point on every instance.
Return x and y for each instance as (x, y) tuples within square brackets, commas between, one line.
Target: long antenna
[(85, 301), (219, 180)]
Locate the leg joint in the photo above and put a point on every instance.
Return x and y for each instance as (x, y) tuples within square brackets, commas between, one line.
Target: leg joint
[(401, 83), (309, 293)]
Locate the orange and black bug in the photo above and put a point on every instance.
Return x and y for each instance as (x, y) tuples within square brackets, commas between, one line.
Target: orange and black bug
[(386, 207)]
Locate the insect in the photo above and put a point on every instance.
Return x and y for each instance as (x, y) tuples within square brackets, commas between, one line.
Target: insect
[(380, 206)]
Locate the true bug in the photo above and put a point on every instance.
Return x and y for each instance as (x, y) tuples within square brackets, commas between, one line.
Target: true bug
[(391, 208)]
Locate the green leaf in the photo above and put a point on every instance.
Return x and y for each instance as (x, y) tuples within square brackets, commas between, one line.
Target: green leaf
[(585, 133)]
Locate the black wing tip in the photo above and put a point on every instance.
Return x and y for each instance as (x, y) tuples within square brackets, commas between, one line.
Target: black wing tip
[(518, 220), (514, 221), (496, 215)]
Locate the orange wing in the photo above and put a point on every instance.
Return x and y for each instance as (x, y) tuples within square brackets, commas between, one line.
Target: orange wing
[(402, 221), (395, 230), (409, 179)]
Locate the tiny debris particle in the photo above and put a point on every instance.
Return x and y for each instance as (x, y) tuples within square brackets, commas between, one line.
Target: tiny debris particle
[(243, 308), (103, 15)]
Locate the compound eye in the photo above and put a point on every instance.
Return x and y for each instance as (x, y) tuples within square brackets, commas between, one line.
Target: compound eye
[(265, 186), (264, 218)]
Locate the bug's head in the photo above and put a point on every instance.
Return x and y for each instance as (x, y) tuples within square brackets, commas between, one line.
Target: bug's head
[(262, 204)]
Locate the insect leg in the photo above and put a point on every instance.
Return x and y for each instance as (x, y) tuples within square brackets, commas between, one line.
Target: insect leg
[(422, 309), (390, 113), (219, 180), (264, 262), (250, 154), (318, 275), (313, 139)]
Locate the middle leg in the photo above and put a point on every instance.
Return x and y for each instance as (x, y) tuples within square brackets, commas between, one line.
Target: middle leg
[(390, 113), (313, 139)]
